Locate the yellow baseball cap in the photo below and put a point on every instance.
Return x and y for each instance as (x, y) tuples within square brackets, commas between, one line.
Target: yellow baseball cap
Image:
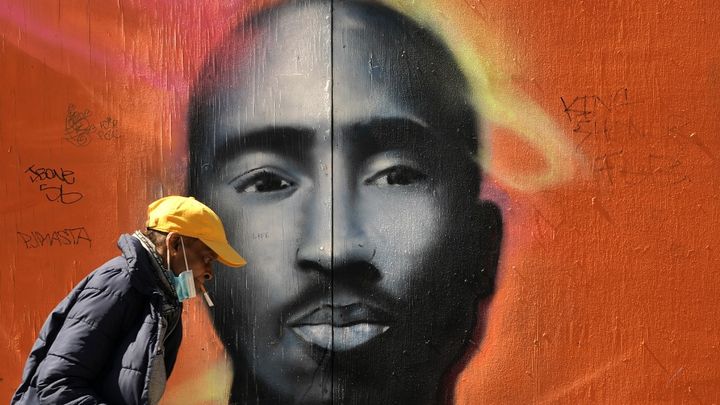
[(189, 217)]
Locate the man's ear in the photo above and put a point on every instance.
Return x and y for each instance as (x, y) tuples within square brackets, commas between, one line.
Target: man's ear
[(172, 242), (489, 234)]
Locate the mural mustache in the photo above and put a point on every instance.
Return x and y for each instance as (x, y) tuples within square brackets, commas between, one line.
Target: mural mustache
[(338, 145)]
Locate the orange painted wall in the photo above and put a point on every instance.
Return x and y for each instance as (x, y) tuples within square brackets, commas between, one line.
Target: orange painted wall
[(608, 283)]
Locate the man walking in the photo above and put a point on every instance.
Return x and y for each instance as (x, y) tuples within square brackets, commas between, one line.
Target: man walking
[(115, 337)]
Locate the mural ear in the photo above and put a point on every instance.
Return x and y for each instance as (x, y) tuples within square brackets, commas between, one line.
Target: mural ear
[(489, 225)]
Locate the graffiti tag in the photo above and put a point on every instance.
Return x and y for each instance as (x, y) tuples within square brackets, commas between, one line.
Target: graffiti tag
[(108, 129), (57, 191), (61, 237), (602, 126), (79, 127), (601, 117), (654, 169)]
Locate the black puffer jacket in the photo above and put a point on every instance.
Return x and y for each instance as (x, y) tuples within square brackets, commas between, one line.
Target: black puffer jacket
[(110, 341)]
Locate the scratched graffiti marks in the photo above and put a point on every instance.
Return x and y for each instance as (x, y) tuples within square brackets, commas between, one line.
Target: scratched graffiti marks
[(80, 128), (604, 125), (593, 116), (60, 237), (654, 169), (54, 183)]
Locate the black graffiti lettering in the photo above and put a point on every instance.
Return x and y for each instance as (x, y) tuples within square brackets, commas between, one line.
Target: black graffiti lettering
[(77, 126), (35, 175), (577, 110), (601, 125), (60, 237), (583, 108), (42, 238), (64, 236), (57, 193), (26, 239), (108, 128), (601, 120), (43, 173), (80, 234), (56, 238)]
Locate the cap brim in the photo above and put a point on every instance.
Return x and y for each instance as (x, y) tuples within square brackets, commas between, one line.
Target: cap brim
[(226, 254)]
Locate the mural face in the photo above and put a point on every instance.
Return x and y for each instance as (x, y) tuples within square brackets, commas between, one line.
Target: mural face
[(338, 149)]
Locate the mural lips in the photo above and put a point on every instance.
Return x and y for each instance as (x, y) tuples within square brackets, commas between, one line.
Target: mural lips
[(340, 327)]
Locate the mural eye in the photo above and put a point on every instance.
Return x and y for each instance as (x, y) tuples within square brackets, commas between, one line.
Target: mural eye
[(261, 181), (397, 176)]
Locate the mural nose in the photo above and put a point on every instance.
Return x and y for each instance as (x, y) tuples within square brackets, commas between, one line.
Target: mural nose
[(342, 249), (315, 239), (334, 237), (351, 249), (353, 260), (316, 256)]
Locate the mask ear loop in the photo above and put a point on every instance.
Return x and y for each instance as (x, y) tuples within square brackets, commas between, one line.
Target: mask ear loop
[(184, 254), (191, 287)]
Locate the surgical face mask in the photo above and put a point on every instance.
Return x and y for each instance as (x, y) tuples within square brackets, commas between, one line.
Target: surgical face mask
[(184, 283)]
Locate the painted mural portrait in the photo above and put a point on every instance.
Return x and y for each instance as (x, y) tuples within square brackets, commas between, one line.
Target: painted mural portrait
[(338, 146), (461, 202)]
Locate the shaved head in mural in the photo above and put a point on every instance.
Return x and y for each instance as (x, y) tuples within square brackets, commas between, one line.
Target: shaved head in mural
[(338, 146)]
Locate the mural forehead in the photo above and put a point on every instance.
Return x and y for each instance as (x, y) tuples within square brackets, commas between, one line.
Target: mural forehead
[(439, 202), (380, 65)]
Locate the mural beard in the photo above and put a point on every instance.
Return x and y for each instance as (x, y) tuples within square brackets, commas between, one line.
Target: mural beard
[(350, 187)]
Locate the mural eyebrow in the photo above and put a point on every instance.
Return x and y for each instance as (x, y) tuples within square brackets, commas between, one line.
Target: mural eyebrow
[(393, 133), (282, 140)]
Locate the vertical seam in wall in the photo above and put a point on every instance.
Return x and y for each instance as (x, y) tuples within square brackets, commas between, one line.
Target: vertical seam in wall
[(332, 204)]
